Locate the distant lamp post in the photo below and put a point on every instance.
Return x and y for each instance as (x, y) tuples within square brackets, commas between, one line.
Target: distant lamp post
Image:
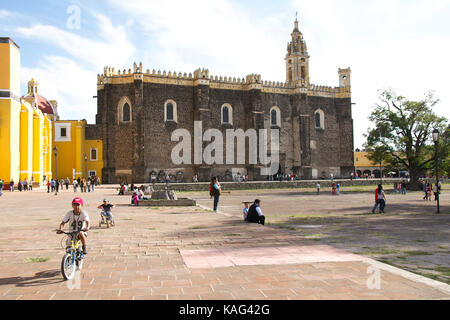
[(436, 147), (55, 152), (85, 164)]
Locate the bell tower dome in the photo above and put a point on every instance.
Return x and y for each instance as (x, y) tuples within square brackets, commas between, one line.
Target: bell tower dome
[(297, 60)]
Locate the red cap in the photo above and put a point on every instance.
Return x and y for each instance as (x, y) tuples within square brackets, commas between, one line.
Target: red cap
[(77, 200)]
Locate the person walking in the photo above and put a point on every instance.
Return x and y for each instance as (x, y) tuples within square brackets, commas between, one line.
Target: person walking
[(1, 187), (31, 184), (380, 199), (75, 184), (25, 185), (11, 185), (318, 188), (67, 183), (215, 191)]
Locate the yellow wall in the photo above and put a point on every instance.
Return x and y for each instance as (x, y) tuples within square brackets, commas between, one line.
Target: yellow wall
[(26, 142), (73, 149), (9, 112), (94, 165)]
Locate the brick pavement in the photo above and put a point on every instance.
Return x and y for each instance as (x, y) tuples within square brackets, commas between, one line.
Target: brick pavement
[(160, 253)]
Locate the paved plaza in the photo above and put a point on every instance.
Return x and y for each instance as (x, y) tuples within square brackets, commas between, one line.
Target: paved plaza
[(306, 251)]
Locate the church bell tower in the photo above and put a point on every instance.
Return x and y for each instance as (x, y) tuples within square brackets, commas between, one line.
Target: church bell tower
[(297, 60)]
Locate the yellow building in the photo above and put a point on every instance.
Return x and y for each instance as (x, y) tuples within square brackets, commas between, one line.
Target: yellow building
[(364, 166), (25, 131), (30, 130), (79, 152)]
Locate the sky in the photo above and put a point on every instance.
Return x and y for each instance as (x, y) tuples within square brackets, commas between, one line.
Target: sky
[(398, 44)]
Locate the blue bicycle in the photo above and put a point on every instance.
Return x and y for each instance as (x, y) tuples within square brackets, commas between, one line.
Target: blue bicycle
[(74, 257)]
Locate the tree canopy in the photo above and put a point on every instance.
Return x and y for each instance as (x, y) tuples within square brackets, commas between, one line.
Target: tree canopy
[(402, 136)]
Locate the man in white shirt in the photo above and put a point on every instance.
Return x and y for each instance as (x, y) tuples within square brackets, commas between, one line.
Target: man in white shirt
[(255, 214)]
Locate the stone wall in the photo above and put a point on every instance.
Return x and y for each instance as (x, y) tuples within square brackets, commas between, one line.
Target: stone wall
[(133, 150), (229, 186)]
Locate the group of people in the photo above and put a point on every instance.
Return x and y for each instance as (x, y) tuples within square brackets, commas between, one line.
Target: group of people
[(283, 177), (137, 193), (252, 210), (400, 187), (428, 188), (85, 185), (22, 185)]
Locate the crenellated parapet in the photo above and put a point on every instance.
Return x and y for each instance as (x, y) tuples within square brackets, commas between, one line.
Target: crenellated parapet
[(203, 77)]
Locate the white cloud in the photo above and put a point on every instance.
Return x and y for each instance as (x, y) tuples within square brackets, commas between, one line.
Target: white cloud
[(109, 48), (218, 35), (63, 80)]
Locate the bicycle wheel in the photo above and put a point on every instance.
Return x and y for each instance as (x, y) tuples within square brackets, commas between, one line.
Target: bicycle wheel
[(68, 266)]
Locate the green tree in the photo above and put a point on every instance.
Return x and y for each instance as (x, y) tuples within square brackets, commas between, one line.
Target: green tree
[(402, 136)]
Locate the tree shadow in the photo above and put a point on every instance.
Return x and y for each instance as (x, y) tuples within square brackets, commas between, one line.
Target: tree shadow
[(39, 279)]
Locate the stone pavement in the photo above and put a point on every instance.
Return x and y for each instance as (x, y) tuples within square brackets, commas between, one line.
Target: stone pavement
[(183, 253)]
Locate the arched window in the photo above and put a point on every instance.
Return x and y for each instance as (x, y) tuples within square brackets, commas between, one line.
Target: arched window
[(319, 119), (124, 111), (227, 114), (275, 117), (170, 111)]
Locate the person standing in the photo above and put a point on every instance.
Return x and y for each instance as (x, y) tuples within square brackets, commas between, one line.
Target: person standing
[(403, 188), (20, 185), (1, 187), (31, 183), (75, 184), (25, 185), (436, 192), (11, 185), (67, 183), (215, 191), (318, 188), (255, 214)]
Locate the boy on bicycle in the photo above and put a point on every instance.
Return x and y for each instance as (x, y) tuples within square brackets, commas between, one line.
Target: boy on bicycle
[(106, 210), (78, 220)]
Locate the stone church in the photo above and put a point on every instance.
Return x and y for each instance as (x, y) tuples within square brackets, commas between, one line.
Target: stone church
[(138, 112)]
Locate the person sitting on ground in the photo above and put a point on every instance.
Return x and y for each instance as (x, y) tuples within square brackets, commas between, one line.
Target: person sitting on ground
[(246, 208), (255, 214), (141, 194), (78, 220), (106, 210), (135, 199)]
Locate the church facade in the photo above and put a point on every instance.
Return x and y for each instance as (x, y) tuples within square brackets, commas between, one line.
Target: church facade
[(138, 112)]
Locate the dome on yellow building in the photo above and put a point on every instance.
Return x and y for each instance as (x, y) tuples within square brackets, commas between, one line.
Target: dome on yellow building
[(39, 101)]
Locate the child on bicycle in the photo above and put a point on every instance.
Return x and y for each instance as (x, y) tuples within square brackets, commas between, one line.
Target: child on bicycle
[(106, 210), (78, 220)]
